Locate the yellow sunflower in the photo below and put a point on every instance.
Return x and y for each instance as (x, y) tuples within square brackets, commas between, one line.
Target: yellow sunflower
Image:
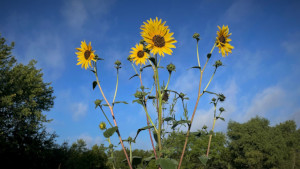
[(85, 55), (138, 55), (158, 37), (223, 40)]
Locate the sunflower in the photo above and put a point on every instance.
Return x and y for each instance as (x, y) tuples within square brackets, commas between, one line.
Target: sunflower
[(85, 55), (223, 40), (138, 55), (158, 37)]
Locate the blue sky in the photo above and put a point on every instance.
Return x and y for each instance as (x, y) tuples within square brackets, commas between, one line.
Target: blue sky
[(260, 77)]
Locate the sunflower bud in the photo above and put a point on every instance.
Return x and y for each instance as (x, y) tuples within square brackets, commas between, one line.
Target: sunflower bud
[(97, 103), (218, 63), (142, 88), (204, 127), (142, 41), (129, 139), (117, 64), (129, 59), (221, 97), (208, 55), (171, 67), (221, 109), (213, 99), (196, 36), (102, 126)]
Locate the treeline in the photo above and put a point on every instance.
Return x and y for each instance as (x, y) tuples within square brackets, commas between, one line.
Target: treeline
[(25, 143)]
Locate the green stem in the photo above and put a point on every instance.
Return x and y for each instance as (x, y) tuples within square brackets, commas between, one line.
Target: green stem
[(210, 80), (159, 61), (134, 68), (213, 48), (112, 154), (159, 110), (198, 55), (116, 88), (168, 81), (106, 116), (112, 114), (210, 136), (130, 153), (150, 119)]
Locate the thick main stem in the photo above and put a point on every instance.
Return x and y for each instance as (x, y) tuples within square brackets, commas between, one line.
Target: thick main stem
[(148, 124), (115, 122)]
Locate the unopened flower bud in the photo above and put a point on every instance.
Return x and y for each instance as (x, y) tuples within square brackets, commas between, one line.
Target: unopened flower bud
[(146, 49), (142, 41), (129, 139), (171, 67), (208, 55), (129, 59), (196, 36), (221, 97), (213, 99), (117, 64), (204, 127), (102, 126), (221, 109), (218, 63), (97, 103)]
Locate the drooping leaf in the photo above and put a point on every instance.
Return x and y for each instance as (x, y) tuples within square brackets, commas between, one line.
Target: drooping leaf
[(145, 67), (141, 129), (196, 67), (176, 123), (153, 60), (109, 132), (203, 159), (117, 102), (93, 71), (147, 160), (168, 119), (222, 118), (166, 163), (155, 136), (151, 97), (94, 84), (133, 76)]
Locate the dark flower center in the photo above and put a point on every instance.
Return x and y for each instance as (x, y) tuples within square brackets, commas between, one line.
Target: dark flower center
[(159, 41), (222, 39), (87, 54), (140, 54)]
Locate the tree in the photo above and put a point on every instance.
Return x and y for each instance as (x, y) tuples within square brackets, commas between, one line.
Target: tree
[(24, 96), (255, 144)]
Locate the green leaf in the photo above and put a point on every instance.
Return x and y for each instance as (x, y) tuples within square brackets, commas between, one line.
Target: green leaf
[(120, 102), (136, 160), (93, 71), (155, 136), (203, 159), (166, 163), (153, 60), (138, 101), (105, 104), (147, 160), (176, 123), (109, 132), (145, 67), (222, 118), (168, 119), (94, 84), (151, 97), (111, 159), (196, 67), (141, 129), (133, 76)]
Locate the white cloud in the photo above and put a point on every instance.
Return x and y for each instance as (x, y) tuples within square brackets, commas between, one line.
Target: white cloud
[(239, 10), (291, 45), (47, 49), (77, 12), (266, 102), (79, 110)]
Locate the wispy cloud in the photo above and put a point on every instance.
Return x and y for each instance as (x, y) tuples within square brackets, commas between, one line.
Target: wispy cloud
[(79, 110), (77, 12)]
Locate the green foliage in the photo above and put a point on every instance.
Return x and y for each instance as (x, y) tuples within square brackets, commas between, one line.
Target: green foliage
[(23, 97), (257, 145), (109, 132)]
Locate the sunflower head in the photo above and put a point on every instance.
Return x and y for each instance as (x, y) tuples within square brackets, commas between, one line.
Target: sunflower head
[(102, 126), (222, 40), (85, 55), (138, 55), (158, 37)]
